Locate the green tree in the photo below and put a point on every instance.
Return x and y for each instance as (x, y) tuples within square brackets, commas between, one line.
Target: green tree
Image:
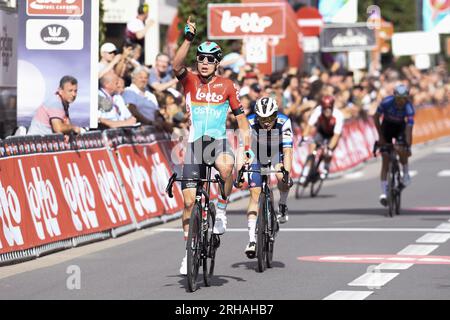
[(102, 27), (197, 9), (402, 13)]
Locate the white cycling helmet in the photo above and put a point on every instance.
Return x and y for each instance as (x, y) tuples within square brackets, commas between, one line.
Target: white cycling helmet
[(266, 107)]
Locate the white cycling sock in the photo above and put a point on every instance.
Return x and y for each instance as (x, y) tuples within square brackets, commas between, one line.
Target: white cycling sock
[(306, 171), (283, 197), (405, 169), (252, 230), (222, 206), (384, 185)]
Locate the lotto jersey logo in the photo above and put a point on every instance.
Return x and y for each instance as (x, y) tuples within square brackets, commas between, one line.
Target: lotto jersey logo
[(55, 8), (208, 97)]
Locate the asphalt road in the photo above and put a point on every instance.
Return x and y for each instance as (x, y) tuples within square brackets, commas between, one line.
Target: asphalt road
[(337, 231)]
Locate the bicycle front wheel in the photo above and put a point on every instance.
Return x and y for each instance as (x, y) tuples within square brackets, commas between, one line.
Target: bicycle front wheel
[(270, 238), (211, 245), (261, 233), (194, 247), (392, 202)]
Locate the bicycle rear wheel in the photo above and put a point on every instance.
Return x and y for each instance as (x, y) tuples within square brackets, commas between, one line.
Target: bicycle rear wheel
[(261, 234), (194, 247), (211, 245)]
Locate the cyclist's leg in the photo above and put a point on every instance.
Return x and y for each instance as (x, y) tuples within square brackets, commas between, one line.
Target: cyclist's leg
[(252, 210), (388, 135), (224, 164), (404, 155)]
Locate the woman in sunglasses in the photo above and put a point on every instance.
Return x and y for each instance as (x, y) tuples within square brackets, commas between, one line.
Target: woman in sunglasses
[(272, 141), (208, 99), (328, 123)]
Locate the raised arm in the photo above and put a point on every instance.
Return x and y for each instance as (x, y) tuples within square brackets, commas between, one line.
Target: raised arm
[(180, 56)]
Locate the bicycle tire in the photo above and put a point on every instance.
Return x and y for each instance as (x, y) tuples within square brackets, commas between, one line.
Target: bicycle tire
[(270, 239), (398, 196), (391, 192), (300, 189), (211, 247), (260, 234), (315, 187), (194, 248)]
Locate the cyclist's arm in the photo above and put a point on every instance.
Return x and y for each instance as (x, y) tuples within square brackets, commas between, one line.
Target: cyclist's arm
[(377, 122), (312, 121), (244, 129), (334, 142), (409, 124), (287, 160), (180, 57), (338, 128)]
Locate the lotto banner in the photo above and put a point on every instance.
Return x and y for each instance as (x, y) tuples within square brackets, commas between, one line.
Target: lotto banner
[(50, 197), (238, 21), (145, 171), (58, 38)]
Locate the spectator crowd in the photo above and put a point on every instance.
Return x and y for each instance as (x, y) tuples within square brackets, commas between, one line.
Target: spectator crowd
[(131, 93)]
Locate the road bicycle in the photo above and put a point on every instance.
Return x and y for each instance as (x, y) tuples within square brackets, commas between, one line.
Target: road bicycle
[(267, 225), (395, 185), (202, 244), (314, 179)]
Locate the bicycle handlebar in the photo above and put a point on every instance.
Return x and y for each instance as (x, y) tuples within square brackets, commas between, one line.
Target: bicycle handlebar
[(244, 169), (218, 180)]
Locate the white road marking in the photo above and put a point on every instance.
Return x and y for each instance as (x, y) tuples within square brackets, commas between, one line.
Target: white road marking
[(418, 250), (394, 266), (413, 173), (444, 174), (444, 150), (373, 279), (354, 176), (446, 229), (434, 238), (443, 226), (349, 295)]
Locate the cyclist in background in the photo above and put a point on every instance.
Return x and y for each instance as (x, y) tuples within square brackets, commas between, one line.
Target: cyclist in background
[(208, 98), (272, 140), (328, 123), (398, 121)]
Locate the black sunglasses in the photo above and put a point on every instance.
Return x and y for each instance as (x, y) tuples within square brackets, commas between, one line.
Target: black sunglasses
[(201, 58)]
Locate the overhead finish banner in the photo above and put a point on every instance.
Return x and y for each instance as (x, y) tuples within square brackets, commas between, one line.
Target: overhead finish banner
[(351, 37), (238, 21), (58, 38), (436, 16)]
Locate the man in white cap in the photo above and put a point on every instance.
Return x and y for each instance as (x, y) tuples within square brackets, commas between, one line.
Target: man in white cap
[(110, 59)]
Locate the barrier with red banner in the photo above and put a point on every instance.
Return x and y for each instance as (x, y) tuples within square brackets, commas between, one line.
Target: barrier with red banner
[(58, 195), (52, 189)]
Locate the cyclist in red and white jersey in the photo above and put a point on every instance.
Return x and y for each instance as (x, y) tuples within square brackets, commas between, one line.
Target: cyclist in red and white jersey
[(328, 123), (208, 99)]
